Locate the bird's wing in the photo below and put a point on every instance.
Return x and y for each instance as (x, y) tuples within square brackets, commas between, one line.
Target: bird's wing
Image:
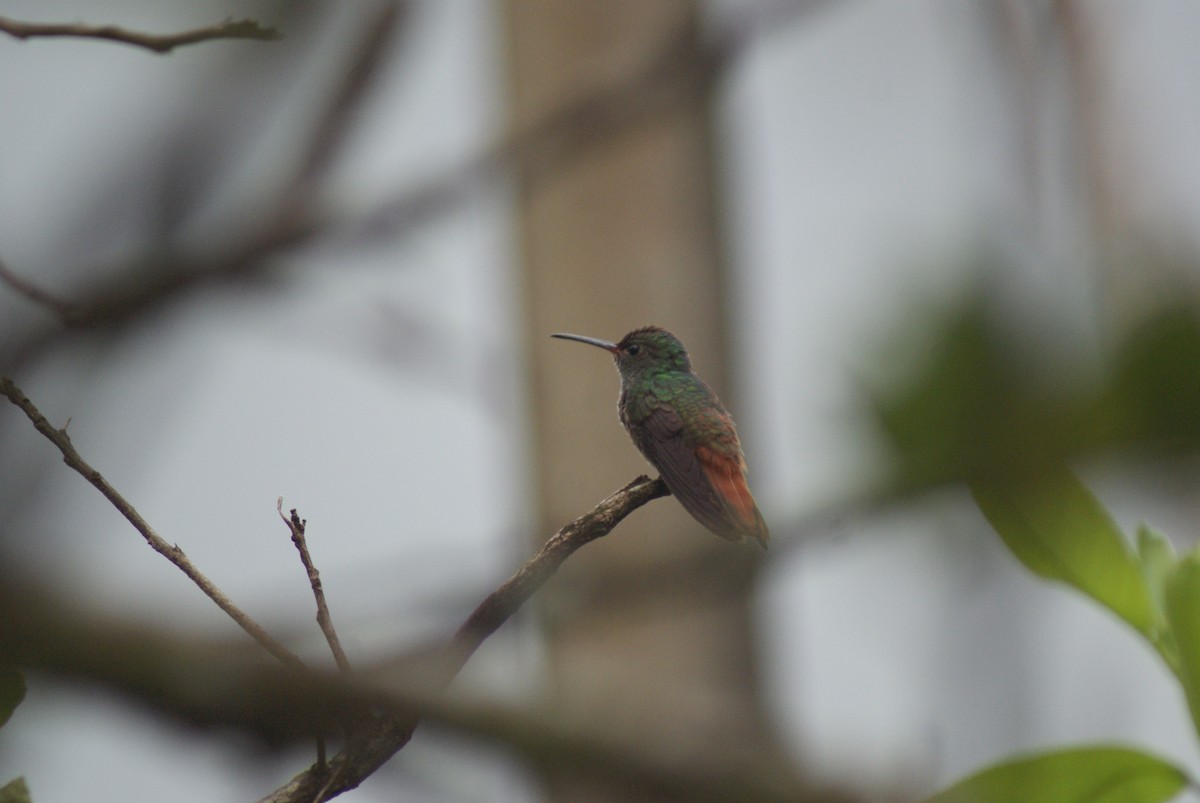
[(660, 438), (727, 474)]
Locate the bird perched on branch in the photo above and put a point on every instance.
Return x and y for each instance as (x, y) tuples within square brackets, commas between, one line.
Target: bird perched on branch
[(681, 427)]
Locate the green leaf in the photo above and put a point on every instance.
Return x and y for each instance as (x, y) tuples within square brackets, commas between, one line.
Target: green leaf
[(15, 791), (1054, 525), (1156, 555), (1183, 615), (12, 691), (1094, 774)]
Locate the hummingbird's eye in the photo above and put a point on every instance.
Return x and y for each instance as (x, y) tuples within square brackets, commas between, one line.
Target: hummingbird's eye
[(633, 350)]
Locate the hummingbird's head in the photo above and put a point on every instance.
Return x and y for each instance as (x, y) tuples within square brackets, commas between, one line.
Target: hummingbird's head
[(642, 351), (651, 349)]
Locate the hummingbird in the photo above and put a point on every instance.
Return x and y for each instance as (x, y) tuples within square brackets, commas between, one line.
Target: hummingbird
[(681, 427)]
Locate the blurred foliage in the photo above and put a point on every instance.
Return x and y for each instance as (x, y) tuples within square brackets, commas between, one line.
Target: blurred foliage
[(1003, 411), (1155, 388), (12, 691), (1080, 775), (984, 402), (15, 791)]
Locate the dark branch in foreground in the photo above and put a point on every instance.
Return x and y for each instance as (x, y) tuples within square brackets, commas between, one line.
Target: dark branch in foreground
[(171, 552), (368, 749), (34, 293), (159, 43), (219, 684)]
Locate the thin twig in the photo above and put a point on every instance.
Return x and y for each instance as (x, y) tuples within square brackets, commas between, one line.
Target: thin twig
[(171, 552), (370, 748), (297, 526), (159, 43)]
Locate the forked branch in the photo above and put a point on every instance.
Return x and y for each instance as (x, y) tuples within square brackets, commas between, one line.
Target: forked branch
[(169, 551), (368, 749)]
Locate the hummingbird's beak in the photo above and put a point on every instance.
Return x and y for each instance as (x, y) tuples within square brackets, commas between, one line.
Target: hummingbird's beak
[(591, 341)]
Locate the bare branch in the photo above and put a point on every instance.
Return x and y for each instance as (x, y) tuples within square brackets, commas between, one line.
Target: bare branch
[(158, 279), (332, 124), (609, 108), (297, 526), (502, 603), (159, 43), (31, 291), (384, 736), (171, 552), (367, 750), (154, 282)]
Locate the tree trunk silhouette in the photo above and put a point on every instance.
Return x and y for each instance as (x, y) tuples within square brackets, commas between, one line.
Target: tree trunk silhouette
[(653, 630)]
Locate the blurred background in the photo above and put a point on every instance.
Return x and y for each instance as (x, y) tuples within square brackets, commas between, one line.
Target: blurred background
[(327, 267)]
